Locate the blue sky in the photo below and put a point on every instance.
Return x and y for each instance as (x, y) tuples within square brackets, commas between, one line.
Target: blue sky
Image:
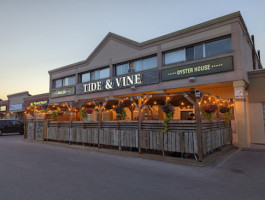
[(37, 36)]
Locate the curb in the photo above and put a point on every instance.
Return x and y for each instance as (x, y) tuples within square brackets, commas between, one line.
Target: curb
[(208, 159)]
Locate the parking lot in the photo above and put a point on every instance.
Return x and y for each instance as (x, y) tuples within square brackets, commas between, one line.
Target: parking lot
[(42, 171)]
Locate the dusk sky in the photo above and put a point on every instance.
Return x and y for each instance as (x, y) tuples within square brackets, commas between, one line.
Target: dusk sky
[(40, 35)]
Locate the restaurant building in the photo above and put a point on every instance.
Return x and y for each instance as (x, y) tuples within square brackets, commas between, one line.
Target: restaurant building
[(18, 103), (213, 57), (4, 108), (16, 109)]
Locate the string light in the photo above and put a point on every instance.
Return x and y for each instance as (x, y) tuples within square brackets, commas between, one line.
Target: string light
[(182, 103), (155, 102)]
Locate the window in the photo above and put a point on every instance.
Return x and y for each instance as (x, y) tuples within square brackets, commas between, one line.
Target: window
[(85, 77), (104, 73), (199, 51), (57, 83), (137, 65), (121, 69), (69, 81), (64, 82), (174, 57), (94, 75), (195, 52), (149, 63), (218, 47)]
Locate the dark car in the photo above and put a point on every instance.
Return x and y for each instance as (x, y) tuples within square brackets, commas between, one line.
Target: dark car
[(11, 126)]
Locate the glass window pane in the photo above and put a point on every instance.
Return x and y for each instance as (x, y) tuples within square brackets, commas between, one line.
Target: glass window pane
[(69, 81), (58, 83), (218, 47), (138, 65), (122, 69), (190, 53), (104, 73), (85, 77), (198, 51), (174, 57), (95, 75), (150, 63)]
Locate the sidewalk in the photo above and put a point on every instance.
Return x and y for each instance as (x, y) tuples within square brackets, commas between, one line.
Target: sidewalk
[(255, 147)]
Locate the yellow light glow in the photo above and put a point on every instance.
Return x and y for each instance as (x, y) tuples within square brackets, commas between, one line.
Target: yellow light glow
[(182, 103), (155, 102), (204, 101)]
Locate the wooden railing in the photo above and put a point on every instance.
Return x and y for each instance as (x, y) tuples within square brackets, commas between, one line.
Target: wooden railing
[(181, 136)]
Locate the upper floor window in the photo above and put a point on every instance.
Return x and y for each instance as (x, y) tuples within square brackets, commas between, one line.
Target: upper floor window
[(69, 81), (174, 57), (64, 82), (199, 51), (95, 75), (137, 65), (57, 83), (218, 47)]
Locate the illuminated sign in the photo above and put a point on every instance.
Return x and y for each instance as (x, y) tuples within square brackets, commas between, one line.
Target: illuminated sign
[(198, 69), (109, 84), (2, 108), (62, 92), (38, 103), (15, 107)]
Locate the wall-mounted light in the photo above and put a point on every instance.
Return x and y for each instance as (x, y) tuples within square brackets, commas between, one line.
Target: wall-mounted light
[(191, 79)]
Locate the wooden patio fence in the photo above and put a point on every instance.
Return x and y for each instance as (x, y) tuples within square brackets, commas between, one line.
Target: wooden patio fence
[(181, 137)]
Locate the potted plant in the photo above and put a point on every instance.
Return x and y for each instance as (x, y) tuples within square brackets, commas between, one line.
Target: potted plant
[(89, 112), (55, 114), (207, 111), (226, 113), (169, 111), (121, 113)]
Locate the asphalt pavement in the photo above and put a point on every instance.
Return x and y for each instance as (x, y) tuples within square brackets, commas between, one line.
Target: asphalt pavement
[(35, 171)]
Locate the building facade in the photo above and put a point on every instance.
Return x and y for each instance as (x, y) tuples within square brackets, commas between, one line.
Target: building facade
[(213, 57)]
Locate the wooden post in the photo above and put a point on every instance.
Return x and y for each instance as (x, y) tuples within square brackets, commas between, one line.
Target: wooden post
[(198, 124), (45, 129), (34, 133), (25, 129), (139, 125), (199, 129), (99, 123)]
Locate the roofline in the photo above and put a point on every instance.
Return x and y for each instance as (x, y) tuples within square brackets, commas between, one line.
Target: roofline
[(37, 96), (17, 94), (154, 40)]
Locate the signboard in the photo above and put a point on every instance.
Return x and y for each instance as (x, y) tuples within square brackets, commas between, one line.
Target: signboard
[(15, 107), (239, 94), (62, 92), (198, 69), (2, 108), (129, 80), (38, 103)]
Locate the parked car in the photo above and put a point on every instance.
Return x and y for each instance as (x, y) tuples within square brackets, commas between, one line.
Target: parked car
[(11, 126)]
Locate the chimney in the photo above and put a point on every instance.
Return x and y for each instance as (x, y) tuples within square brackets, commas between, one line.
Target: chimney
[(258, 53)]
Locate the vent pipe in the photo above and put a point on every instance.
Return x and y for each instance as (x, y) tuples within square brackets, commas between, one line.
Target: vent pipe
[(253, 52)]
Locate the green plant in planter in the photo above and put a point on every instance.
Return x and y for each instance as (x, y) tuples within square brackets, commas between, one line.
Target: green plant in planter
[(120, 110), (83, 113), (123, 114), (207, 111), (227, 114), (169, 111), (55, 114)]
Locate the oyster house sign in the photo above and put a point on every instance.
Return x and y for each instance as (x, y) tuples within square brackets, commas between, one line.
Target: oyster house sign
[(109, 84)]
